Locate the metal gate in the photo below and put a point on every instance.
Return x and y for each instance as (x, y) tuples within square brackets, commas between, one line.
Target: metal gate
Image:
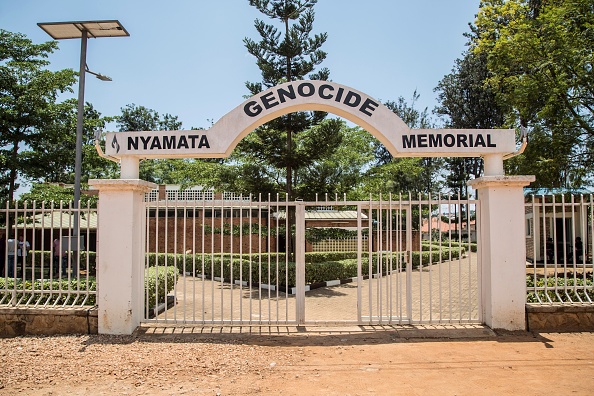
[(242, 260)]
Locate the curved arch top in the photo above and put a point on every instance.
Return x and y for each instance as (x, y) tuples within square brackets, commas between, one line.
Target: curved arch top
[(307, 95), (310, 95)]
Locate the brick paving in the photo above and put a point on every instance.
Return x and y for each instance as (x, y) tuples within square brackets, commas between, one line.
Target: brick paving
[(440, 293)]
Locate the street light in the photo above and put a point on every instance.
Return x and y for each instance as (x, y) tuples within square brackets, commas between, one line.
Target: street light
[(82, 30), (98, 75)]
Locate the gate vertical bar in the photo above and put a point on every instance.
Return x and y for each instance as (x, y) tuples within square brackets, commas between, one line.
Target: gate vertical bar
[(409, 262), (300, 262), (389, 263), (479, 283), (429, 221), (584, 234), (440, 273), (268, 262), (379, 260), (401, 258), (359, 254), (370, 258), (241, 215), (250, 262), (420, 203)]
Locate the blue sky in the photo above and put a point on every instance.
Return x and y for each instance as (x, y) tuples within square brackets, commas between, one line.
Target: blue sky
[(187, 58)]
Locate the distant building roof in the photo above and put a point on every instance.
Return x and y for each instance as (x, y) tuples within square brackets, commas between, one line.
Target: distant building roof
[(328, 215), (56, 219), (444, 226), (555, 191)]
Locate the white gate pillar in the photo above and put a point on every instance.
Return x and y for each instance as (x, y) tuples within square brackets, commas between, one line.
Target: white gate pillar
[(120, 254), (502, 250)]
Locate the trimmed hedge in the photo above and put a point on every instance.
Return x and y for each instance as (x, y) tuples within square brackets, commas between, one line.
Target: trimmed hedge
[(158, 281), (256, 269), (37, 257), (160, 278), (436, 256), (321, 257), (24, 291), (565, 285), (454, 244)]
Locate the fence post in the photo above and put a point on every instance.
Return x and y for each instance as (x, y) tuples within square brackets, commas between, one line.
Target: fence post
[(300, 262), (120, 253), (502, 250)]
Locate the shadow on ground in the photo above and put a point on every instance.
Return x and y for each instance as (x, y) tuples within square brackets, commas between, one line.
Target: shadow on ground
[(318, 336)]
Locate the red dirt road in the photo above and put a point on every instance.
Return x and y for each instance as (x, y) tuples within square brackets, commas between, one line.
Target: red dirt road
[(291, 361)]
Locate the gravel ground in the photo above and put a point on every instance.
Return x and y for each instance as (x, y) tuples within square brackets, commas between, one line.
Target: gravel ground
[(394, 362), (101, 365)]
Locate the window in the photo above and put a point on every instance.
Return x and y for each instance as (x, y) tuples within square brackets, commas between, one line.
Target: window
[(529, 228)]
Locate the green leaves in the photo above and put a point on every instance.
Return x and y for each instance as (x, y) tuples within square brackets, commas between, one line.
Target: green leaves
[(54, 192), (158, 282), (140, 118), (50, 157), (27, 101), (285, 54), (539, 56)]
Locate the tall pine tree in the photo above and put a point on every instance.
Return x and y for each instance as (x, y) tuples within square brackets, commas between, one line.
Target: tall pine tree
[(468, 103), (291, 142)]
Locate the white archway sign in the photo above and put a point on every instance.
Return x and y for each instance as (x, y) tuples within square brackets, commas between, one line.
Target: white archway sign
[(307, 95), (122, 214)]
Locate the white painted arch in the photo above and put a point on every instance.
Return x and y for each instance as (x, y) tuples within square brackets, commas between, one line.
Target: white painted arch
[(309, 95), (337, 99), (306, 95)]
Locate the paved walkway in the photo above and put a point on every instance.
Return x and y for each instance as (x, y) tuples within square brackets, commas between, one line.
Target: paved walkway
[(440, 293)]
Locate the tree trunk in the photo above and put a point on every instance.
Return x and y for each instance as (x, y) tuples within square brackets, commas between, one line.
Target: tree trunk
[(13, 170), (290, 210)]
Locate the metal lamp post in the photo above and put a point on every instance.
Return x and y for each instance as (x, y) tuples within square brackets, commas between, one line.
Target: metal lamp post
[(82, 30)]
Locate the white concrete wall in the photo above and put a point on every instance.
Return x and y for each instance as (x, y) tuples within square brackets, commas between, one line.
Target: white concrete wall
[(120, 255), (502, 250)]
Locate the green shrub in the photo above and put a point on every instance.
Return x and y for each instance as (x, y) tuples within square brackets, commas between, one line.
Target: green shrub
[(38, 257), (194, 263), (28, 292), (271, 268), (330, 270), (435, 256), (564, 284), (320, 257), (158, 281), (159, 278), (454, 244)]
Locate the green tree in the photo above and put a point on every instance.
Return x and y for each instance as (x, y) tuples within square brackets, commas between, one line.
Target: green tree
[(340, 171), (4, 174), (467, 102), (51, 157), (395, 175), (51, 192), (540, 56), (343, 171), (28, 94), (286, 54), (140, 118)]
